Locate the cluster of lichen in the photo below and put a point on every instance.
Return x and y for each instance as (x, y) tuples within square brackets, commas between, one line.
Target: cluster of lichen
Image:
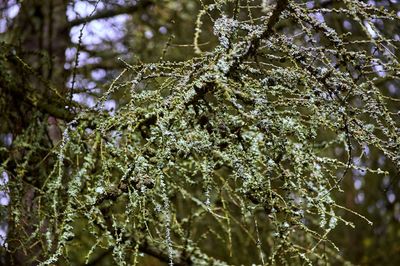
[(229, 151)]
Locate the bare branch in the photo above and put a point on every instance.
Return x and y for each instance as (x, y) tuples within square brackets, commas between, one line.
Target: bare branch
[(108, 13)]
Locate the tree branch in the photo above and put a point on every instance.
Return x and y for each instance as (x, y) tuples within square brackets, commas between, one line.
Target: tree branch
[(20, 89), (108, 13), (281, 5), (254, 42)]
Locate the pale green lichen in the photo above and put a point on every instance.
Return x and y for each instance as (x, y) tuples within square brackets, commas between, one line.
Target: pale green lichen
[(232, 134)]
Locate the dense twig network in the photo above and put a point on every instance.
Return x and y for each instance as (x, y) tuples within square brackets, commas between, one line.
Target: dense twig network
[(235, 143)]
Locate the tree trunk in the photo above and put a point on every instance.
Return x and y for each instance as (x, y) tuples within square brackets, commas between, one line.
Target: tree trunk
[(40, 35)]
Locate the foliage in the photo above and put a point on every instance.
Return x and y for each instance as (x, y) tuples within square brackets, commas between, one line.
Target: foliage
[(224, 153)]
